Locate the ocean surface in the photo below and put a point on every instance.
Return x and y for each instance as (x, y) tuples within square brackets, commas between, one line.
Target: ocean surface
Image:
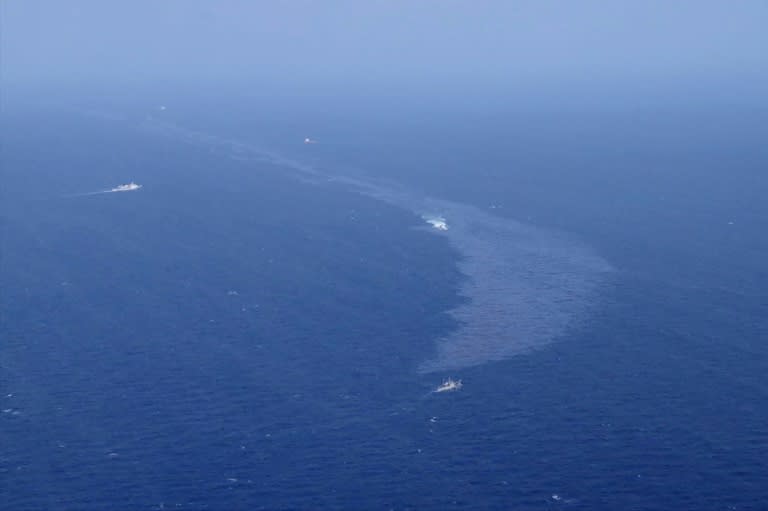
[(263, 324)]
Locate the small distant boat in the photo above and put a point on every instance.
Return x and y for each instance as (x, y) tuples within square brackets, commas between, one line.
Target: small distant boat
[(449, 385), (126, 188), (437, 222), (440, 225)]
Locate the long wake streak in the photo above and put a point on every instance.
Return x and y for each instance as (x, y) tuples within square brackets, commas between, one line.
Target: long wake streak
[(526, 286), (130, 187)]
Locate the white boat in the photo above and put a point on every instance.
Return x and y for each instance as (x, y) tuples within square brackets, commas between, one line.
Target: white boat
[(437, 222), (126, 188), (449, 385)]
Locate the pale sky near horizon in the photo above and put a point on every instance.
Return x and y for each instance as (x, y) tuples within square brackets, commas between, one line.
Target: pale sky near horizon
[(390, 43)]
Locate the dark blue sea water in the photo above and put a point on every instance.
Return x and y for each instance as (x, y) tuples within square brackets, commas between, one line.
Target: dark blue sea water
[(263, 323)]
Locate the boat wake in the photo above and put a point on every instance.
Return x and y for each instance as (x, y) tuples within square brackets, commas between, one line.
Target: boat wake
[(129, 187)]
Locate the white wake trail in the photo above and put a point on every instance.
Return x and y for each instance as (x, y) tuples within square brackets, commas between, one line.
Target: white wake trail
[(129, 187)]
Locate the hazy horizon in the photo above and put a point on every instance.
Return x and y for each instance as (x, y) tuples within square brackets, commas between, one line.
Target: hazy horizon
[(554, 51)]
